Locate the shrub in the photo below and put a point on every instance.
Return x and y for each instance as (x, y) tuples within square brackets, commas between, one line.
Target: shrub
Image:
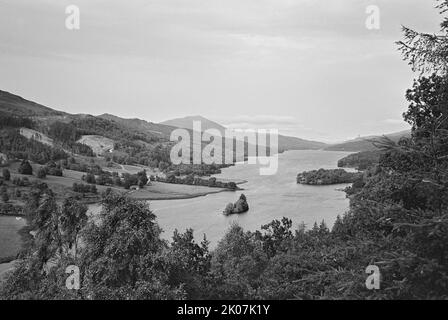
[(26, 168), (83, 188), (6, 175), (4, 194), (42, 173)]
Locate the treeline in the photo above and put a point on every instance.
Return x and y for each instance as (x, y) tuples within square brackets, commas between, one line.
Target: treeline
[(137, 153), (82, 166), (327, 177), (90, 125), (131, 146), (195, 169), (53, 169), (67, 135), (126, 180), (16, 146), (196, 181), (361, 160), (83, 188), (11, 121)]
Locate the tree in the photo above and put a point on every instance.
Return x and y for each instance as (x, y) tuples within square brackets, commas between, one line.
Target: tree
[(142, 178), (189, 264), (42, 173), (6, 175), (90, 178), (25, 168), (232, 185), (189, 179), (427, 99), (212, 182), (277, 236), (427, 52), (236, 265), (123, 256), (4, 194), (53, 169), (34, 277), (72, 220)]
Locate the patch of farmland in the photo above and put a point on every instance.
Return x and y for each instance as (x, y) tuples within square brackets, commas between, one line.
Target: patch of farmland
[(99, 144), (36, 135)]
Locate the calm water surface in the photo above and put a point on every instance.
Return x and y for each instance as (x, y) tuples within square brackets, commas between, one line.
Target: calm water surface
[(269, 197)]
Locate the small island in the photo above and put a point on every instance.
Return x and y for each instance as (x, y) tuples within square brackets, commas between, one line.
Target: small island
[(327, 177), (241, 206)]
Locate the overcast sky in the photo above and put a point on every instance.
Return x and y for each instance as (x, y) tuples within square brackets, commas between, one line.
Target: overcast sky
[(308, 67)]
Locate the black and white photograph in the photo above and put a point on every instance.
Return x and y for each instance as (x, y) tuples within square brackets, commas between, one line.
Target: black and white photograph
[(241, 152)]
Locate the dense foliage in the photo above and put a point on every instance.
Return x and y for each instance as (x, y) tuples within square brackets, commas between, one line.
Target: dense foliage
[(361, 160), (12, 121), (326, 177), (67, 135), (84, 188), (17, 146), (25, 168), (193, 180)]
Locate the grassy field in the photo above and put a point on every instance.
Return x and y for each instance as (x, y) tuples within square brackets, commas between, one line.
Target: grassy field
[(120, 169), (62, 186), (167, 191), (10, 240), (156, 191)]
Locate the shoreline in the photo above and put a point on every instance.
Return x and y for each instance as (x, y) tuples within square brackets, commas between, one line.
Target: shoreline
[(168, 191), (179, 197)]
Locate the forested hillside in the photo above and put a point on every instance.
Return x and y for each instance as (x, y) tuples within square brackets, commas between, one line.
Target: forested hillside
[(285, 143), (361, 160), (13, 104), (132, 144), (367, 143)]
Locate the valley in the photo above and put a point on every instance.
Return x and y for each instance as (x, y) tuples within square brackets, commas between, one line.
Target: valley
[(83, 156)]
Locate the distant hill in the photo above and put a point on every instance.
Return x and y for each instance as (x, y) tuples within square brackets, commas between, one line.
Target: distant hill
[(16, 105), (161, 130), (52, 131), (284, 142), (120, 129), (365, 143), (187, 123), (293, 143)]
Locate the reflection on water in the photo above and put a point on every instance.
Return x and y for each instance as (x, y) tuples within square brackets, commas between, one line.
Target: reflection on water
[(269, 197)]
